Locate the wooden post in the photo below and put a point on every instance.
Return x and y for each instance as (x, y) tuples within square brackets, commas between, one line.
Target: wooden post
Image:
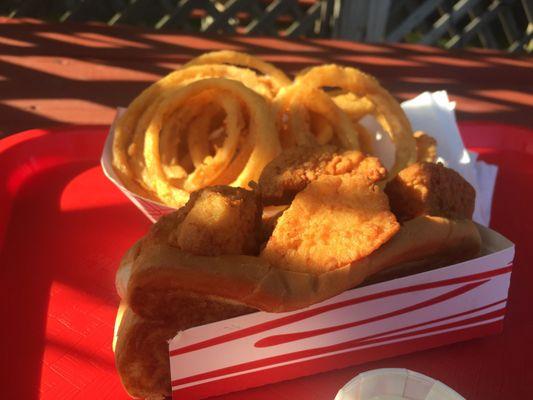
[(362, 20)]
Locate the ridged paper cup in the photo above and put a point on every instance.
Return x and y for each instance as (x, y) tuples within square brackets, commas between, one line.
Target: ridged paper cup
[(395, 384)]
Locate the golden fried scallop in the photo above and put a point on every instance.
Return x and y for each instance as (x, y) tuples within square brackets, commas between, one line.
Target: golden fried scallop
[(216, 220), (268, 74), (334, 221), (430, 189), (426, 147), (295, 168)]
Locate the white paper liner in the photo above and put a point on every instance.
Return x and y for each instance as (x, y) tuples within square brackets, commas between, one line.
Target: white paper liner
[(395, 384), (434, 113), (152, 209), (429, 112)]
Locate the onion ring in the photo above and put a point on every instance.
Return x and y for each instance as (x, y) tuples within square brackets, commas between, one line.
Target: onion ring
[(133, 124), (183, 117), (308, 116), (129, 130), (365, 88), (275, 76)]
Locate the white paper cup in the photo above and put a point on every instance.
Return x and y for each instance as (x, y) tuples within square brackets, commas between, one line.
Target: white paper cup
[(395, 384)]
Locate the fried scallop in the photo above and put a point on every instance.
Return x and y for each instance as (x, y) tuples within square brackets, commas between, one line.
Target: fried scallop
[(430, 189), (334, 221), (295, 168)]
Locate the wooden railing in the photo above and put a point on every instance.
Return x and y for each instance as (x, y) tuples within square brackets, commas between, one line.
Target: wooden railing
[(499, 24), (250, 17)]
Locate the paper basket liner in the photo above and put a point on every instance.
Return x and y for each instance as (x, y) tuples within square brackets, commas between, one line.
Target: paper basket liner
[(152, 209)]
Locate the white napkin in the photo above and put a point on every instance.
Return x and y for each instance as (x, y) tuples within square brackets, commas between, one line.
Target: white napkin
[(434, 113)]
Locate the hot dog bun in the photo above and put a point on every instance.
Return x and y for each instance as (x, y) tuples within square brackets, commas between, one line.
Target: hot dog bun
[(141, 345), (177, 291), (162, 275)]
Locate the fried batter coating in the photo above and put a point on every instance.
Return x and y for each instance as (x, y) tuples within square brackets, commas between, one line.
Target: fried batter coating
[(216, 220), (334, 221), (295, 168), (426, 147), (430, 189)]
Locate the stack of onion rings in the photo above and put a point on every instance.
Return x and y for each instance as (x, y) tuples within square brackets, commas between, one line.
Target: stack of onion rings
[(224, 115), (207, 123)]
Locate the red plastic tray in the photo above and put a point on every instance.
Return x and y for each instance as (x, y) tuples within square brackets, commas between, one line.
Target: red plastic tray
[(64, 227)]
